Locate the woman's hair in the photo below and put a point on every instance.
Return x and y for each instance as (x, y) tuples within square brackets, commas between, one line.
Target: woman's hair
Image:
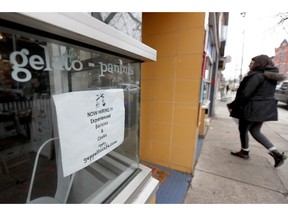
[(262, 61)]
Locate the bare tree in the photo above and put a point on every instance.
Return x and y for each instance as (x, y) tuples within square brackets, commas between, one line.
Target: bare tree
[(283, 20), (129, 23)]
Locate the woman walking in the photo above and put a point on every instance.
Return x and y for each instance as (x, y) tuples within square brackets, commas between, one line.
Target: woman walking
[(254, 104)]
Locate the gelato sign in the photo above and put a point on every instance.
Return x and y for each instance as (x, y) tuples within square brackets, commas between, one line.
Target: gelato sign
[(20, 61), (90, 125)]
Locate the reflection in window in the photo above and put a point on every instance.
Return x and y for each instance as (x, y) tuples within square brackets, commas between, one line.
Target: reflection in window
[(31, 70), (130, 23)]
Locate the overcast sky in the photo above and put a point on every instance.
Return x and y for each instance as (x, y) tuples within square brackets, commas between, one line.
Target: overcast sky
[(262, 35)]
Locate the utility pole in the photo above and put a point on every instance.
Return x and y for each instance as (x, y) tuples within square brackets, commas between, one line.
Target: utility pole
[(243, 14)]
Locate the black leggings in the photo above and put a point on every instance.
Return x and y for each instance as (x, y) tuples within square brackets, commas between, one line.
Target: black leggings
[(254, 129)]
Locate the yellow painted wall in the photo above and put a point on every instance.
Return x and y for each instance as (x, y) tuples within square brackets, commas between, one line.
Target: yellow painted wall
[(170, 89)]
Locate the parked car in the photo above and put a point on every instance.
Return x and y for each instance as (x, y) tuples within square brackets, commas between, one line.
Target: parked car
[(281, 93), (131, 88), (131, 102), (128, 86)]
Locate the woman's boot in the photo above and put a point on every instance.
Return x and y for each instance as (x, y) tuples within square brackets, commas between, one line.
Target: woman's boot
[(278, 157), (242, 154)]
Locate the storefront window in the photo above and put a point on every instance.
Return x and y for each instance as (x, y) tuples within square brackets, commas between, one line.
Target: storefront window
[(32, 69), (207, 80)]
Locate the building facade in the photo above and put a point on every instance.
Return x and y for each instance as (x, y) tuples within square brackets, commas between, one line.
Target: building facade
[(179, 89)]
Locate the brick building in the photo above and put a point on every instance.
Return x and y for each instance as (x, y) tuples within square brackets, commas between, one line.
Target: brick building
[(281, 57)]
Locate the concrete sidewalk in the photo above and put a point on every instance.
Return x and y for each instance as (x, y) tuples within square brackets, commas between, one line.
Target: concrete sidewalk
[(221, 178)]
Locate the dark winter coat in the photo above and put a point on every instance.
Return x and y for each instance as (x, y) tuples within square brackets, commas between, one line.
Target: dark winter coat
[(254, 99)]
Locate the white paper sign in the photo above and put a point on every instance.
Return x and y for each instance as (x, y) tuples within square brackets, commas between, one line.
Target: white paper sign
[(90, 125)]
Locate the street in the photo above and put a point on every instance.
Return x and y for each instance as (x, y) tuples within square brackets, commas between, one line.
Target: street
[(282, 113), (281, 126)]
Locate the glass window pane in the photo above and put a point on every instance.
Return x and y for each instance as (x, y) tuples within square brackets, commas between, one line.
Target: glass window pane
[(32, 68)]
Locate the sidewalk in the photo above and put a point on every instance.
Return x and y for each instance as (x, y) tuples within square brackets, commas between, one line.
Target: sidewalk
[(221, 178)]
